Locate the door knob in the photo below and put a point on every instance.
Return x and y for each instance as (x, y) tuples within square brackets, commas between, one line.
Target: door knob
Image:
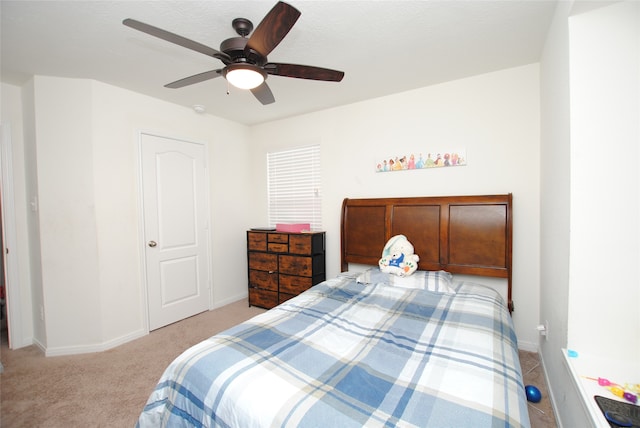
[(152, 244)]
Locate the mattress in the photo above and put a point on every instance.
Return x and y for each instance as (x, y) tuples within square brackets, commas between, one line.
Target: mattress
[(345, 354)]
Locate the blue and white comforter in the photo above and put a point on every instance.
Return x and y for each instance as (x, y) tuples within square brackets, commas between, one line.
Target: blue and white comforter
[(343, 355)]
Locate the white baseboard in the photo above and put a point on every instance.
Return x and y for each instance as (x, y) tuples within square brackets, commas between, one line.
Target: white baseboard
[(39, 345), (552, 397), (99, 347), (227, 301), (528, 346)]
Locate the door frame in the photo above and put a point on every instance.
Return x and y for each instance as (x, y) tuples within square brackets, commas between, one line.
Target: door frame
[(144, 295)]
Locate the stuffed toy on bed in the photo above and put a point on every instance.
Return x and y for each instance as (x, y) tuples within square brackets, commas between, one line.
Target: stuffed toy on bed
[(398, 258)]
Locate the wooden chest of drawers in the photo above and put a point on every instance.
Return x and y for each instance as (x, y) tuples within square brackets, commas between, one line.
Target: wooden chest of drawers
[(283, 265)]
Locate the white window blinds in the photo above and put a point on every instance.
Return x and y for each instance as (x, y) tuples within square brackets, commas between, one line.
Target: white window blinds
[(293, 186)]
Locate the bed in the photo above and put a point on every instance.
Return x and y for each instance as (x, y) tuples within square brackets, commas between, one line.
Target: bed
[(365, 348)]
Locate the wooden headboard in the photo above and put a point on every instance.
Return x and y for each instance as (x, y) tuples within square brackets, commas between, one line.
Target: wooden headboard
[(460, 234)]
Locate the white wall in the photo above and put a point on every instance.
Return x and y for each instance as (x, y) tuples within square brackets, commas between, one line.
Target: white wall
[(589, 99), (495, 117), (116, 168), (33, 237), (67, 211), (555, 169), (605, 190), (82, 136)]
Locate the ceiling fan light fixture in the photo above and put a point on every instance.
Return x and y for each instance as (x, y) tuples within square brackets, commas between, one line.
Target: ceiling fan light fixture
[(245, 59), (245, 76)]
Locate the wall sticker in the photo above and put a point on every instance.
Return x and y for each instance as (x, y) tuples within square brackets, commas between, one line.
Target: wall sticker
[(422, 161)]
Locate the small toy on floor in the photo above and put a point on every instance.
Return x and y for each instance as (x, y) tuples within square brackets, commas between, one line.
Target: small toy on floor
[(533, 394)]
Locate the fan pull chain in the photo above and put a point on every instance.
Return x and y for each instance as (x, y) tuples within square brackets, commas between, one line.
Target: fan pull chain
[(228, 93)]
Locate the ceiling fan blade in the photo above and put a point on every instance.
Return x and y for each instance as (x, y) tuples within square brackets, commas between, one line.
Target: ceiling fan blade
[(178, 40), (263, 94), (303, 72), (272, 29), (196, 78)]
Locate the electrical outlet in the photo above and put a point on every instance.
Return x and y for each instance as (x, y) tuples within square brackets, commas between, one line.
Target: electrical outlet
[(546, 330), (543, 329)]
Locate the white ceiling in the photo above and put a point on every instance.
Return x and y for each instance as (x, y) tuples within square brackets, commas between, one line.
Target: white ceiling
[(383, 47)]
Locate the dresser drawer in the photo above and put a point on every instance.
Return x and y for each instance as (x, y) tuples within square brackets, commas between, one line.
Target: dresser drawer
[(300, 244), (292, 284), (306, 244), (277, 248), (257, 241), (300, 265), (295, 265), (281, 238), (263, 279), (263, 261), (263, 298)]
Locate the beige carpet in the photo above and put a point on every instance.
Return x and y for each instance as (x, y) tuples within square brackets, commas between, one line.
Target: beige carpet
[(541, 414), (109, 389)]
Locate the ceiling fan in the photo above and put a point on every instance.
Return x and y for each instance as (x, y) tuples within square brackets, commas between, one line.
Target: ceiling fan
[(245, 59)]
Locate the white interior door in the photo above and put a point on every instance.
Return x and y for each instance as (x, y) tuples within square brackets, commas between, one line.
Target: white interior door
[(13, 309), (176, 226)]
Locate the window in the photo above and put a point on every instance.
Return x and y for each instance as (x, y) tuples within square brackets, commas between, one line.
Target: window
[(293, 187)]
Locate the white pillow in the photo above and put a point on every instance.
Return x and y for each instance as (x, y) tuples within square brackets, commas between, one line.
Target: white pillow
[(439, 281)]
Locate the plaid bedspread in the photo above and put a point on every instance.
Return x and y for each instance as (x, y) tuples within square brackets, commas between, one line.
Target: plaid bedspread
[(343, 355)]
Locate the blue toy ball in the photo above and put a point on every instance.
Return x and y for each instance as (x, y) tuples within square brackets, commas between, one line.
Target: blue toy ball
[(533, 394)]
